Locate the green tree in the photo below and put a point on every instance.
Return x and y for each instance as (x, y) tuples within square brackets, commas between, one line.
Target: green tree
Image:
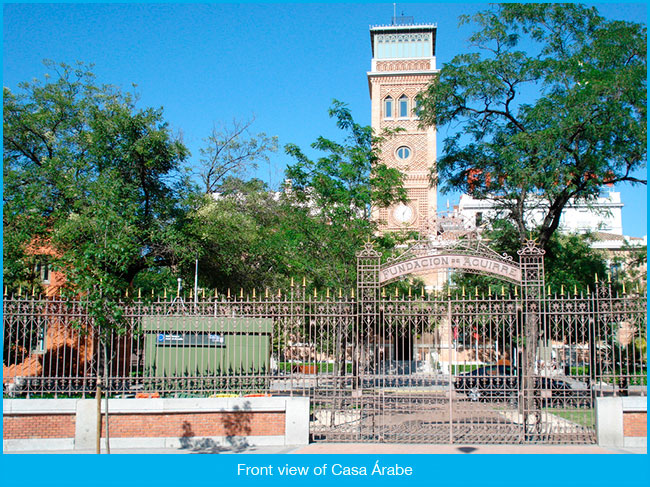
[(550, 106), (95, 179), (330, 200), (237, 237), (72, 147)]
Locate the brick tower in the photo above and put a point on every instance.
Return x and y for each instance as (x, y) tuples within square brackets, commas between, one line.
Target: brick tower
[(403, 64)]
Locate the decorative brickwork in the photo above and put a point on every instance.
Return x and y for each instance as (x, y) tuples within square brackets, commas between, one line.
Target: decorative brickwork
[(416, 142), (406, 75), (635, 424), (404, 65), (38, 426), (402, 79), (396, 90), (408, 124)]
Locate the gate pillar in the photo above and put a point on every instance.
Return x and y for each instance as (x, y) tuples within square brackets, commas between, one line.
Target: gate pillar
[(368, 296), (531, 259)]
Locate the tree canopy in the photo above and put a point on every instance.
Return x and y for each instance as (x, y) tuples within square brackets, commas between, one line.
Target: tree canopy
[(331, 199), (92, 177), (550, 105), (102, 186)]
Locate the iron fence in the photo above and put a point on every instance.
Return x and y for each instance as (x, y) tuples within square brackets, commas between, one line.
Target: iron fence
[(428, 368)]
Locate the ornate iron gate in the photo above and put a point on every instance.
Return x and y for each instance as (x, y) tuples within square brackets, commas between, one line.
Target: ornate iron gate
[(516, 368)]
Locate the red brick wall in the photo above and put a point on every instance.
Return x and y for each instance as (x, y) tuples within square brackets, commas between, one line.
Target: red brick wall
[(635, 424), (196, 424), (151, 425), (38, 426)]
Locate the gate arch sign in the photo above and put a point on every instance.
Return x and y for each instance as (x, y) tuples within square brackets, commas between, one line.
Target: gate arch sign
[(429, 262)]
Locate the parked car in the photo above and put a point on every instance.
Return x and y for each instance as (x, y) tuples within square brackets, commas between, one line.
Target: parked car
[(501, 383)]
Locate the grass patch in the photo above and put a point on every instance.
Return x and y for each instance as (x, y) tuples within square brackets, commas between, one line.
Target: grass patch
[(462, 368), (583, 417)]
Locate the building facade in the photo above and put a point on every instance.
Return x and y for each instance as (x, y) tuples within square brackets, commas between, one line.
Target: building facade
[(403, 64), (601, 215)]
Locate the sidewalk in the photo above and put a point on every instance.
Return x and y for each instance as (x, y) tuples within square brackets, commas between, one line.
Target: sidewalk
[(385, 448), (367, 449)]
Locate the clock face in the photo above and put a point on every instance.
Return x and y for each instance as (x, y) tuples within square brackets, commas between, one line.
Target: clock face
[(403, 213)]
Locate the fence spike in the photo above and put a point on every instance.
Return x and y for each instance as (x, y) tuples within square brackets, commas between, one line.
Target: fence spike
[(33, 291), (139, 293), (202, 293), (575, 289), (609, 277), (383, 292), (638, 290), (165, 294), (476, 291), (596, 277), (127, 292), (5, 290), (253, 293), (20, 290), (228, 293), (548, 290), (340, 293), (562, 290), (279, 293), (463, 291), (291, 282), (215, 294), (191, 295), (503, 291), (352, 293), (152, 294), (396, 292), (409, 291), (623, 287), (304, 282), (422, 293), (241, 292), (327, 293), (516, 293), (266, 293), (315, 293)]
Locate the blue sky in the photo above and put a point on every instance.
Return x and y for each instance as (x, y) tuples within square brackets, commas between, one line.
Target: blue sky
[(211, 63)]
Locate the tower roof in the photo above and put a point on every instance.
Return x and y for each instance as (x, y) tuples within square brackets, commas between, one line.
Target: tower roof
[(403, 29)]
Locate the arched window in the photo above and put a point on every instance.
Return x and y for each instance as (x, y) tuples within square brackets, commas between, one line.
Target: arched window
[(403, 107), (388, 107)]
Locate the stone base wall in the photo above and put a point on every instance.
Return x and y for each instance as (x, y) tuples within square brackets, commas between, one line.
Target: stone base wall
[(42, 424), (622, 421)]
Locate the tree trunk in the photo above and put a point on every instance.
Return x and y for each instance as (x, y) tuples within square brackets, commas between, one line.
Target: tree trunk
[(108, 438), (98, 445)]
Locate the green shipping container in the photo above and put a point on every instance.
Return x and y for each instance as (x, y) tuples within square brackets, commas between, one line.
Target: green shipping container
[(181, 346)]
